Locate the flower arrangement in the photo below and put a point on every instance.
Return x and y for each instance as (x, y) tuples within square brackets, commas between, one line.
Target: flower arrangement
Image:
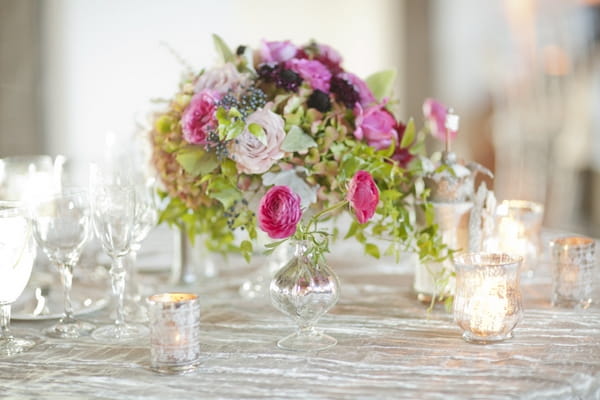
[(288, 116)]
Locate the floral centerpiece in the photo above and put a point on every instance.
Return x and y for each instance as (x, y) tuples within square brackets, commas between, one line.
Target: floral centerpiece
[(287, 115)]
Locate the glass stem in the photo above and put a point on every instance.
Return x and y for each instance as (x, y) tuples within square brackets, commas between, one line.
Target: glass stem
[(117, 274), (5, 321), (66, 274), (131, 280)]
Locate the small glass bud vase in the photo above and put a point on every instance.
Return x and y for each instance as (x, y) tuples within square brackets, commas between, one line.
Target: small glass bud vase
[(487, 303), (305, 289)]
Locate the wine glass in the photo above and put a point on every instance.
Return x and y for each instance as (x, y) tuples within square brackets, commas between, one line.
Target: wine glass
[(17, 252), (61, 228), (146, 217), (112, 198)]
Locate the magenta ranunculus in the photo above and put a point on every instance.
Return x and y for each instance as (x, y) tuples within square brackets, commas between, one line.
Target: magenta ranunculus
[(375, 125), (363, 196), (277, 51), (312, 71), (279, 212), (435, 115), (199, 119), (366, 96)]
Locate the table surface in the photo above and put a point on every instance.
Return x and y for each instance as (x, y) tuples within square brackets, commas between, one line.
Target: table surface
[(389, 346)]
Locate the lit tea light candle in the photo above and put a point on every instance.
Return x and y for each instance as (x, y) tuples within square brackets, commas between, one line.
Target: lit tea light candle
[(174, 332), (574, 265), (487, 302)]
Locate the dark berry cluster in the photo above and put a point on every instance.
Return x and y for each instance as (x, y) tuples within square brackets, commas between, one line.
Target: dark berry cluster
[(217, 145), (345, 92), (232, 213), (282, 77), (249, 101), (319, 100)]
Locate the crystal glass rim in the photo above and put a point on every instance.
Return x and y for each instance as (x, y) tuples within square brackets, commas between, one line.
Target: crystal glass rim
[(10, 207), (572, 242), (484, 260), (66, 191), (28, 157), (527, 206)]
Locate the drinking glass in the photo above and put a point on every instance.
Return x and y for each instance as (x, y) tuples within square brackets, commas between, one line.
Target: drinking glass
[(113, 215), (17, 252), (61, 228)]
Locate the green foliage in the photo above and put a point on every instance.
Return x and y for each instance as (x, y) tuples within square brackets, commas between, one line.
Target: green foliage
[(297, 140), (382, 83), (196, 161)]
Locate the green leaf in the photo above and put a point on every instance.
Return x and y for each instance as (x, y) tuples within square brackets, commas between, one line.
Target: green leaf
[(223, 49), (196, 161), (246, 249), (164, 124), (372, 250), (297, 140), (409, 134), (224, 191), (258, 132), (382, 83)]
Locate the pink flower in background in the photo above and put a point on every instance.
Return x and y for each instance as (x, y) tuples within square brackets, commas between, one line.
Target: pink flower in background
[(199, 119), (375, 125), (222, 79), (435, 117), (363, 196), (277, 51), (252, 156), (312, 71), (329, 57), (279, 212), (366, 96)]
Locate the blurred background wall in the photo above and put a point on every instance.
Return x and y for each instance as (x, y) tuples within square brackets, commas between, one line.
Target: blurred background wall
[(523, 75)]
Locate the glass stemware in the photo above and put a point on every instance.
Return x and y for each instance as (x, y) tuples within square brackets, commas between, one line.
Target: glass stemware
[(17, 252), (61, 228), (113, 213)]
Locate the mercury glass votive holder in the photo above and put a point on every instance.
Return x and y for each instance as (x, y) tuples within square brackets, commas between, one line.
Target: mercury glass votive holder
[(174, 332), (573, 271), (487, 302), (518, 228)]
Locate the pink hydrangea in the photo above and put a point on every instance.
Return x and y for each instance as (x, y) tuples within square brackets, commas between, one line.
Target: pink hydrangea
[(252, 156), (198, 119), (366, 96), (279, 212), (375, 125), (312, 71), (435, 117), (276, 52), (363, 196)]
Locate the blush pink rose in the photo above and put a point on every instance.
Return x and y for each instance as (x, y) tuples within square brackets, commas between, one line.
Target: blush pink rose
[(363, 196), (199, 119), (435, 117), (312, 71), (252, 156), (375, 125), (276, 52), (279, 212), (222, 79)]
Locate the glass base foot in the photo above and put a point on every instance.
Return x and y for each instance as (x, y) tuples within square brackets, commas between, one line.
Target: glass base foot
[(12, 345), (311, 341), (70, 330), (567, 302), (120, 333), (178, 369), (473, 338)]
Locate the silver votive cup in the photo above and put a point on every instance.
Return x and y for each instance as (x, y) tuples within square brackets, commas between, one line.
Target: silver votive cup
[(573, 271), (174, 332), (487, 302), (518, 228)]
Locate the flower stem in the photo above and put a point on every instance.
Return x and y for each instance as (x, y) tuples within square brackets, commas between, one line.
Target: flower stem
[(314, 219)]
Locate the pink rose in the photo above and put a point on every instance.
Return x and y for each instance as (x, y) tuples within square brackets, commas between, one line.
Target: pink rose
[(198, 119), (277, 51), (312, 71), (329, 57), (376, 125), (363, 196), (279, 212), (366, 96), (222, 79), (252, 156), (435, 115)]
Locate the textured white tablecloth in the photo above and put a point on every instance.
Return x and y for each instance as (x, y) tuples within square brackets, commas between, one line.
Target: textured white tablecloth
[(388, 347)]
